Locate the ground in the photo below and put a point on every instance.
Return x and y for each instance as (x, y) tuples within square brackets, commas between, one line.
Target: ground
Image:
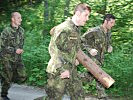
[(24, 92)]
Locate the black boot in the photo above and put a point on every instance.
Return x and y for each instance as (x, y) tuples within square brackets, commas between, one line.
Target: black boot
[(5, 98)]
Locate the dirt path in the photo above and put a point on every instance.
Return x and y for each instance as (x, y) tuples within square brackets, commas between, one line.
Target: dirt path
[(22, 92)]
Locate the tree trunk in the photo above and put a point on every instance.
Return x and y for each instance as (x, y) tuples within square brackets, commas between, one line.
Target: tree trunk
[(46, 18), (49, 14), (66, 10), (46, 11)]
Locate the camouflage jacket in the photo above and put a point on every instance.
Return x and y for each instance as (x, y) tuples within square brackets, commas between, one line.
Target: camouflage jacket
[(64, 44), (10, 40), (96, 38)]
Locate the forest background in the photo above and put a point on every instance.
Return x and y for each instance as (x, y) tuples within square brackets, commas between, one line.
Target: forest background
[(39, 16)]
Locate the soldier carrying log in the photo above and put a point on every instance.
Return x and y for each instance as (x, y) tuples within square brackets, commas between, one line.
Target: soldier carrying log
[(64, 45), (96, 41)]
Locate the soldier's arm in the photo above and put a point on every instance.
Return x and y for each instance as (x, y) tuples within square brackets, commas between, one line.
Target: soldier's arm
[(61, 42), (87, 40), (6, 43), (109, 47), (4, 39), (109, 38), (20, 45)]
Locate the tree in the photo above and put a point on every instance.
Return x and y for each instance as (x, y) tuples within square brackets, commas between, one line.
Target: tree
[(66, 8)]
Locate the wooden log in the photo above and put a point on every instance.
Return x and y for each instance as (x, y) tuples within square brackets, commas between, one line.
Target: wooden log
[(94, 69)]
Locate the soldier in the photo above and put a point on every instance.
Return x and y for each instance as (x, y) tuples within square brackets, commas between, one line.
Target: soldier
[(64, 44), (11, 48), (97, 41)]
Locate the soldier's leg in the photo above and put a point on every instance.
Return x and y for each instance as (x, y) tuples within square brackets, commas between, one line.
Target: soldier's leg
[(5, 85), (100, 88), (76, 92), (75, 87), (86, 77), (55, 87), (19, 72), (100, 91), (6, 77)]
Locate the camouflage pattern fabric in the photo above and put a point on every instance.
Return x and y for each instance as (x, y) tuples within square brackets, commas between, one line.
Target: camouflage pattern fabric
[(64, 44), (96, 38), (12, 68)]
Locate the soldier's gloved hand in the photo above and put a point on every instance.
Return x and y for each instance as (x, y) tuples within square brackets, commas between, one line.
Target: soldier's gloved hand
[(65, 74), (110, 49), (93, 52), (19, 51)]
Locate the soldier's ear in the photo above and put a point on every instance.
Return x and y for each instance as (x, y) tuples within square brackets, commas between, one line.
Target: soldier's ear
[(105, 21), (12, 19), (77, 13)]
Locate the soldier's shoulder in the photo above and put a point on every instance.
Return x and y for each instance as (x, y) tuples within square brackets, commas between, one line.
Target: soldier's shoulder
[(95, 29), (91, 31), (63, 28), (6, 29)]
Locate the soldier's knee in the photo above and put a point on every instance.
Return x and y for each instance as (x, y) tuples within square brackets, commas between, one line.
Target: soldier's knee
[(23, 79), (20, 80)]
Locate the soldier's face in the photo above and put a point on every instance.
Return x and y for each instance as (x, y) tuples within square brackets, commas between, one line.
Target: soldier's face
[(83, 17), (17, 19), (110, 24)]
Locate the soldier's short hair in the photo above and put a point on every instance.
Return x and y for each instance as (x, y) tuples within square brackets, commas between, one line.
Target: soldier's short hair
[(82, 7), (108, 17), (13, 14)]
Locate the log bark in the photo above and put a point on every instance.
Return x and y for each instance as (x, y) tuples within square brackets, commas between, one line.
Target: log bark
[(94, 69)]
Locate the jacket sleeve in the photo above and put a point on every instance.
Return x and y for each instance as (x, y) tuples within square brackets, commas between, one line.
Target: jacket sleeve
[(20, 45), (6, 41), (61, 42), (87, 40), (108, 39), (4, 36)]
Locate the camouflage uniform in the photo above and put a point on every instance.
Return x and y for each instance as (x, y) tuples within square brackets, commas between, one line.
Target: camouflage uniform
[(96, 38), (64, 44), (12, 69)]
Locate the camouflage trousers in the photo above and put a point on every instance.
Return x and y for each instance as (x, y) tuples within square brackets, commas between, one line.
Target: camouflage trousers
[(11, 72), (57, 87), (89, 78)]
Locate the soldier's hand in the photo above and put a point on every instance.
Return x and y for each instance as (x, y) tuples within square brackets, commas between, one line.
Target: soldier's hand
[(19, 51), (93, 52), (110, 49), (65, 74), (76, 62)]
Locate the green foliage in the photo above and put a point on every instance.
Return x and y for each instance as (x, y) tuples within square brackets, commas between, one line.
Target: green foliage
[(36, 54), (118, 64), (90, 87), (36, 58)]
